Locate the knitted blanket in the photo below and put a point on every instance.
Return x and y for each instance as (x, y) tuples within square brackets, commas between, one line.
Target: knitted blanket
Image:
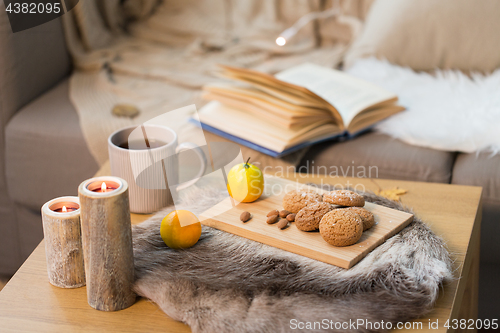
[(156, 55), (227, 283)]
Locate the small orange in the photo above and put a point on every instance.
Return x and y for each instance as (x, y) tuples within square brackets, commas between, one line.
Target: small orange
[(177, 236)]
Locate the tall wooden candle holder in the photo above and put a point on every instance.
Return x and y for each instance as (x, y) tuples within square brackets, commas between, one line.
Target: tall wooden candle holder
[(63, 242), (107, 243)]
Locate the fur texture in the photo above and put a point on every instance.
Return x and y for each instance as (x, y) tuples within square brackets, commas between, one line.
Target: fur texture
[(445, 111), (226, 283)]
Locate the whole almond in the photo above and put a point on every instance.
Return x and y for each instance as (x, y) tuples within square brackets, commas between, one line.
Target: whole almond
[(282, 224), (273, 212), (272, 219), (290, 217), (245, 216), (284, 213)]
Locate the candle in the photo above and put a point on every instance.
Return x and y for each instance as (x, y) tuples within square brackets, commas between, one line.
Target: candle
[(64, 207), (103, 187), (63, 243), (107, 243)]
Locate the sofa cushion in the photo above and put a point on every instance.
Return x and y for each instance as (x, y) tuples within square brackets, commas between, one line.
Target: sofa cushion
[(376, 155), (483, 169), (263, 161), (46, 154), (31, 62), (428, 34), (28, 219)]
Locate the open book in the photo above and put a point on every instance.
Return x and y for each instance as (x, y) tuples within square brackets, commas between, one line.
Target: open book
[(293, 109)]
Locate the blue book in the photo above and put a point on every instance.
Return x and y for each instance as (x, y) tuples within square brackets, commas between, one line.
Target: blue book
[(264, 150)]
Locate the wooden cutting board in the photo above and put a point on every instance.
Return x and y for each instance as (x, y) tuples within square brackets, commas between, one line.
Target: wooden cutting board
[(309, 244)]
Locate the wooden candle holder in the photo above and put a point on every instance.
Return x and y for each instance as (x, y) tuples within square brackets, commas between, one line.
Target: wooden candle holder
[(63, 242), (107, 243)]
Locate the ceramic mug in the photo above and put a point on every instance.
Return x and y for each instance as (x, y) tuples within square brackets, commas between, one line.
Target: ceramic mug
[(146, 157)]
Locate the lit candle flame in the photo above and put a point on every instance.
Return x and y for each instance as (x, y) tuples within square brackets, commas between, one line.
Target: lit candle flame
[(280, 41), (103, 187), (64, 210)]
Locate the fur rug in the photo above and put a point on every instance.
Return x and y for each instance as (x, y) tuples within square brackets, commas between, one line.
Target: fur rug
[(226, 283), (446, 111)]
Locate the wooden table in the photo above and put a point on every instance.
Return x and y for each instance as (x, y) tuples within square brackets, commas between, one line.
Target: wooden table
[(29, 303)]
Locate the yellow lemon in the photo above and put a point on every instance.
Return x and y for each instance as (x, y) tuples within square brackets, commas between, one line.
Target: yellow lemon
[(177, 236), (245, 182)]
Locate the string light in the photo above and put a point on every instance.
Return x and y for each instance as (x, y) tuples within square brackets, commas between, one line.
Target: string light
[(287, 34)]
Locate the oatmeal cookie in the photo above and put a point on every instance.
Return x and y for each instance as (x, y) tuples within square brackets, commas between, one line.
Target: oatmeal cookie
[(341, 227), (295, 200), (344, 198), (307, 219), (366, 216)]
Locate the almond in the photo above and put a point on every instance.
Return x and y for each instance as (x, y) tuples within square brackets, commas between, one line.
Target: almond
[(273, 212), (284, 213), (290, 217), (282, 224), (272, 219), (245, 216)]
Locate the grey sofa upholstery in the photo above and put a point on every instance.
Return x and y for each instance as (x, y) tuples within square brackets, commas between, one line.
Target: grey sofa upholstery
[(483, 170), (44, 154), (31, 62), (45, 146), (392, 158)]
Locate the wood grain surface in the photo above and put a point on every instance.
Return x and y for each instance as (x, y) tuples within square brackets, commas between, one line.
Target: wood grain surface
[(29, 303), (107, 247), (63, 246), (309, 244)]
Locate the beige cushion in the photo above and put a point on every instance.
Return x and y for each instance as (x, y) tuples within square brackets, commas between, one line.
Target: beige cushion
[(429, 34), (265, 162), (483, 169), (376, 155), (31, 61), (46, 154)]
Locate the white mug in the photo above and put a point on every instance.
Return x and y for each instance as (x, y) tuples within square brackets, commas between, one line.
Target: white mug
[(146, 157)]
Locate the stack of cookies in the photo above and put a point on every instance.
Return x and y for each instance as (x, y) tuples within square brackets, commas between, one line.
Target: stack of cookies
[(338, 215)]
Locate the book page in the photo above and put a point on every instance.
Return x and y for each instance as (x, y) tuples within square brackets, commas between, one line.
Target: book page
[(254, 129), (253, 95), (268, 115), (269, 84), (348, 94), (367, 119), (281, 89)]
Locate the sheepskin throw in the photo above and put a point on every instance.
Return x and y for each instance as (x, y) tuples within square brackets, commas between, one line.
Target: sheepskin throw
[(227, 283), (447, 110)]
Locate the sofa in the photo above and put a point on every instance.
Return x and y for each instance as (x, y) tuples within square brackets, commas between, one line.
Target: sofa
[(44, 154)]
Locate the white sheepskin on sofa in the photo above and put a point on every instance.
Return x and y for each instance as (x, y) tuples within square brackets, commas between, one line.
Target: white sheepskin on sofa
[(446, 110)]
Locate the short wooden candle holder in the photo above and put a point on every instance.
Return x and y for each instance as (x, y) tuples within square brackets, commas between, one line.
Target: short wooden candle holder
[(63, 242), (107, 243)]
